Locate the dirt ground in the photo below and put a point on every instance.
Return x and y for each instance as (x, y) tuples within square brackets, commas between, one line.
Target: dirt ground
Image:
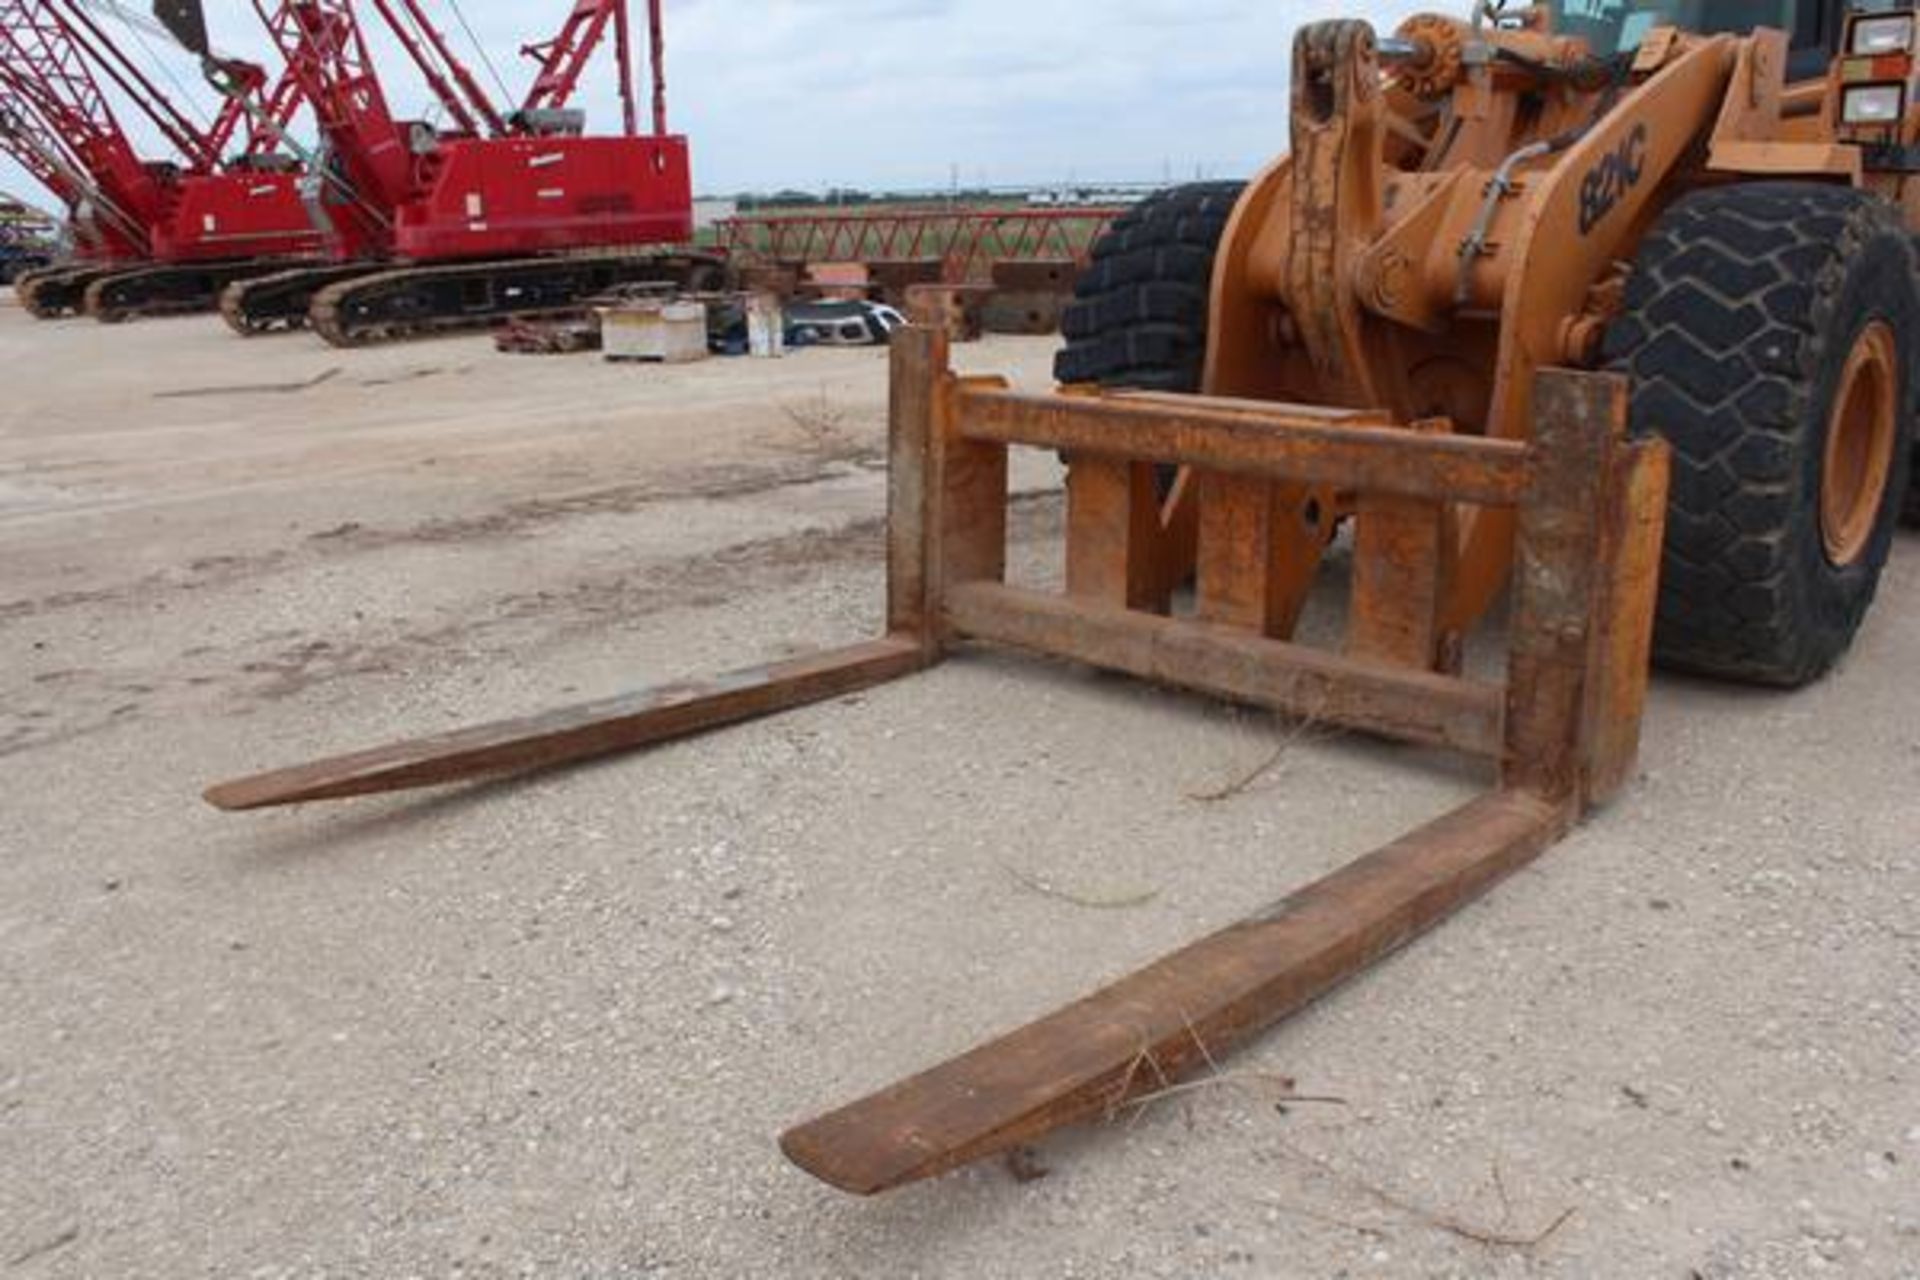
[(551, 1028)]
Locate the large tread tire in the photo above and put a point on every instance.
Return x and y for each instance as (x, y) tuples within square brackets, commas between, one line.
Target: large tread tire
[(1742, 309), (1138, 317)]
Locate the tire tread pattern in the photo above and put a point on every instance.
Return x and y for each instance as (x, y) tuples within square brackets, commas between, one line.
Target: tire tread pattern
[(1733, 310), (1138, 317)]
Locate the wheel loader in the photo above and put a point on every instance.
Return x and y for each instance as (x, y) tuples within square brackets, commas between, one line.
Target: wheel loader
[(1712, 198), (1568, 338)]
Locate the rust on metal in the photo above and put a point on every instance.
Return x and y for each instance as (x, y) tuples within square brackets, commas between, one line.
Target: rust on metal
[(1347, 449), (1338, 128), (1112, 502), (837, 281), (895, 281), (1036, 275), (1589, 521), (958, 309), (581, 732), (1636, 519), (1399, 562), (1393, 702), (1557, 573), (1562, 729), (918, 357), (1177, 1014), (1398, 318), (1259, 547)]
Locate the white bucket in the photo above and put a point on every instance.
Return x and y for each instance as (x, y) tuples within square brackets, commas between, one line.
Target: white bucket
[(766, 327)]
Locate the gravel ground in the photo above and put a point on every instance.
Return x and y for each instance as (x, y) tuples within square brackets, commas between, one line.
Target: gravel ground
[(550, 1028)]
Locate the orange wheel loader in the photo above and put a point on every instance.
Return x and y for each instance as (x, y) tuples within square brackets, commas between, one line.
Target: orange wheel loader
[(1721, 212), (1603, 312)]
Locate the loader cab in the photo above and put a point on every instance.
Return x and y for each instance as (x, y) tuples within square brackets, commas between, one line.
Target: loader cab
[(1616, 26), (1817, 31)]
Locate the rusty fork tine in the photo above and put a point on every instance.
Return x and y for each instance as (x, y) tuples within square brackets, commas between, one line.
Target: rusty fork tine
[(583, 732)]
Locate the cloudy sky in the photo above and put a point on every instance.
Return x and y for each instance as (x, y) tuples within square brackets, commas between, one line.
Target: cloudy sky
[(905, 93)]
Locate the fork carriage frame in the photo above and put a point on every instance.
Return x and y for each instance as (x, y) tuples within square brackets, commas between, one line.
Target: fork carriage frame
[(1562, 731)]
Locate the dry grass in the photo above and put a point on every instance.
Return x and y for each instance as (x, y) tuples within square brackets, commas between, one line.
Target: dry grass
[(1281, 1090), (823, 426), (1306, 729), (1093, 902)]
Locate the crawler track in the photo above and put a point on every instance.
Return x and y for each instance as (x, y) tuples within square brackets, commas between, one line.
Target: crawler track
[(283, 300), (174, 289), (410, 302), (61, 291)]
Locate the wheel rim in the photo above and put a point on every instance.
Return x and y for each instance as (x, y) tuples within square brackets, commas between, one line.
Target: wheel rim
[(1860, 446)]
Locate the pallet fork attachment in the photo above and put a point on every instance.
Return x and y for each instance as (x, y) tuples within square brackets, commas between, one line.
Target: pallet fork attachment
[(1562, 731)]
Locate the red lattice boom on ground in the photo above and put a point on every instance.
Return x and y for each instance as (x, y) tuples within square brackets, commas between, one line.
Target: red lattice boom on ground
[(969, 240)]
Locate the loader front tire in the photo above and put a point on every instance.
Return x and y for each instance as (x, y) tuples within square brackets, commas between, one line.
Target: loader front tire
[(1139, 312), (1770, 334)]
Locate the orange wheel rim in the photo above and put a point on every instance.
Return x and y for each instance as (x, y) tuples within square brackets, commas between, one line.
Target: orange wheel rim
[(1860, 445)]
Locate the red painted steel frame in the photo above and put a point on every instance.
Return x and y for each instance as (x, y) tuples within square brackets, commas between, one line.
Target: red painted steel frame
[(203, 148), (465, 101), (136, 209), (86, 35), (216, 216), (321, 41), (496, 197), (469, 197), (563, 59), (49, 72), (657, 55), (36, 148)]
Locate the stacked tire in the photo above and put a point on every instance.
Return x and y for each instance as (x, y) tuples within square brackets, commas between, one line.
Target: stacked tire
[(1139, 313)]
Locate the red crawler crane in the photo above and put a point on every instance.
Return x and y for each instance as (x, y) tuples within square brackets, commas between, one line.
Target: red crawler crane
[(156, 236), (504, 212), (56, 123), (102, 231)]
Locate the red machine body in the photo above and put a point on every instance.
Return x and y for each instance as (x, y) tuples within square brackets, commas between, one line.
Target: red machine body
[(211, 217), (497, 197), (198, 209), (532, 185)]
